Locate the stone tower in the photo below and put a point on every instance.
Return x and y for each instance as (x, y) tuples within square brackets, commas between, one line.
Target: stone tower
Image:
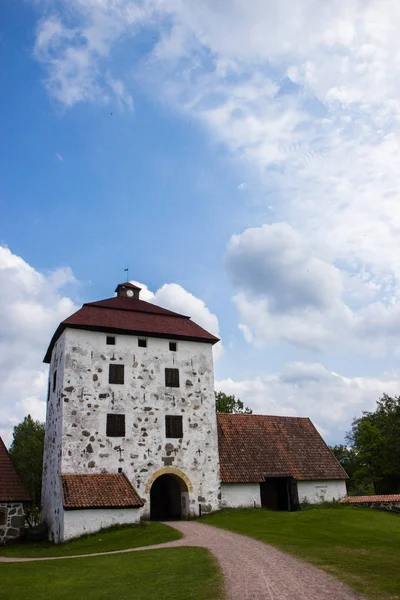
[(131, 414)]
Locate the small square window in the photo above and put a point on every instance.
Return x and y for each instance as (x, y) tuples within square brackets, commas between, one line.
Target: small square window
[(142, 343), (172, 377), (54, 380), (110, 341), (173, 427), (115, 425), (172, 346), (116, 374)]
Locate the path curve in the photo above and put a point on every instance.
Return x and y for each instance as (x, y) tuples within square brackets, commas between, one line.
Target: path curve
[(252, 570)]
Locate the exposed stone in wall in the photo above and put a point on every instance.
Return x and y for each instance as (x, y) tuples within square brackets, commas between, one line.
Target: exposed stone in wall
[(14, 521), (390, 506), (145, 401)]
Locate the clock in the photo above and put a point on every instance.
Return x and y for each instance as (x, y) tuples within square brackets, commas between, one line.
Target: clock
[(129, 293)]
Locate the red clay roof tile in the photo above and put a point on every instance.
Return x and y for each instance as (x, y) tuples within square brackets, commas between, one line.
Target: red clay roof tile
[(132, 316), (11, 486), (252, 447), (379, 498), (109, 490)]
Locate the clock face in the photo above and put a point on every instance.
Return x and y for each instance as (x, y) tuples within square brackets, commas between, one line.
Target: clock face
[(129, 293)]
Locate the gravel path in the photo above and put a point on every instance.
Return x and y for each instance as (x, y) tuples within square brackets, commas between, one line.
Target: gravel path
[(252, 570)]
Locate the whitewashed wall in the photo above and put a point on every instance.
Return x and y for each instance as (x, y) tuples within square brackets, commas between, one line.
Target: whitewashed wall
[(80, 522), (320, 491), (87, 397), (237, 495), (52, 505)]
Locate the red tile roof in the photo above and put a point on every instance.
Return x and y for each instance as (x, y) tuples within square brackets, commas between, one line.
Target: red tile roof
[(11, 486), (380, 498), (99, 491), (252, 447), (132, 316)]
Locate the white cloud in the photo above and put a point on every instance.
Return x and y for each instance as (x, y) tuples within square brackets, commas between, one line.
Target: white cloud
[(31, 306), (311, 390), (174, 297), (286, 293), (59, 157)]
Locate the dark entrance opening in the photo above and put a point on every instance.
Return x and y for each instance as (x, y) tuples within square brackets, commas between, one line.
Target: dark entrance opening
[(165, 498), (279, 493)]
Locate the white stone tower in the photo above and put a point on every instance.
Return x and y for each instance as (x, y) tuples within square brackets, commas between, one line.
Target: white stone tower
[(131, 426)]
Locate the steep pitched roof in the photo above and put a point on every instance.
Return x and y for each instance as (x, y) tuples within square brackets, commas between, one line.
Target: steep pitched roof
[(99, 491), (132, 316), (11, 486), (252, 447)]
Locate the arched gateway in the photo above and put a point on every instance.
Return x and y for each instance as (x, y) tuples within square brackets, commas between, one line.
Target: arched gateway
[(169, 498)]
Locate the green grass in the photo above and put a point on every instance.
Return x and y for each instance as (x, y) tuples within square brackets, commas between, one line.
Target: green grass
[(358, 546), (117, 538), (168, 574)]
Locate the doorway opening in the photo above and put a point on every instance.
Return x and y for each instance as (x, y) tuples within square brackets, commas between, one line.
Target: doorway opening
[(169, 498), (279, 493)]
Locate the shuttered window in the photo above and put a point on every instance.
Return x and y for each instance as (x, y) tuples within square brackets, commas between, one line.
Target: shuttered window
[(173, 427), (116, 374), (115, 425), (172, 377)]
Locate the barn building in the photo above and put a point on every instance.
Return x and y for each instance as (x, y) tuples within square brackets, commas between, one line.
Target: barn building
[(132, 432), (13, 499)]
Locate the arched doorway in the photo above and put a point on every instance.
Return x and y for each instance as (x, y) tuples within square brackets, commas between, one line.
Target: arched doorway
[(168, 498)]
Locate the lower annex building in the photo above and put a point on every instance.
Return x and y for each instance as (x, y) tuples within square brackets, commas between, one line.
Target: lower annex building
[(132, 431)]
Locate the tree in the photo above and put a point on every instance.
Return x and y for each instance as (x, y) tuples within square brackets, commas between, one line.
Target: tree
[(230, 404), (348, 458), (26, 452), (376, 439)]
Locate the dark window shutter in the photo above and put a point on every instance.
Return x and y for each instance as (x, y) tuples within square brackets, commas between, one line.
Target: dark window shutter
[(172, 377), (115, 425), (142, 343), (54, 380), (172, 346), (173, 427), (110, 340), (116, 374)]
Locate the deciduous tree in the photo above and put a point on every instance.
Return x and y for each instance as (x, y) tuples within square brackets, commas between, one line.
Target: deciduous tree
[(27, 454), (230, 404)]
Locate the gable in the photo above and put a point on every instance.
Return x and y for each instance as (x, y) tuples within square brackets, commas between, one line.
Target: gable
[(253, 447)]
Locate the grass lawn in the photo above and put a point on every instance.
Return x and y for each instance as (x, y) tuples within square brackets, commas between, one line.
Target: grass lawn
[(170, 574), (119, 538), (359, 546)]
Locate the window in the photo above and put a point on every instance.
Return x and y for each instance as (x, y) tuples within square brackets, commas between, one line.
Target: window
[(173, 427), (115, 425), (54, 380), (142, 343), (172, 377), (110, 341), (172, 346), (3, 516), (116, 374)]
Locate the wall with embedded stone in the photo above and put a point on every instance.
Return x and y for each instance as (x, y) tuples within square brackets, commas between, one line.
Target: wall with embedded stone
[(80, 522), (52, 505), (85, 398), (315, 492), (12, 521)]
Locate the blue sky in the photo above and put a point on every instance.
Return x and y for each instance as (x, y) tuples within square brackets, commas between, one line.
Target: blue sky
[(241, 158)]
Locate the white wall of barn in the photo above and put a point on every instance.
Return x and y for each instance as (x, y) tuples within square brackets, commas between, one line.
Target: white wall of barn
[(315, 492), (80, 522), (87, 398), (240, 495)]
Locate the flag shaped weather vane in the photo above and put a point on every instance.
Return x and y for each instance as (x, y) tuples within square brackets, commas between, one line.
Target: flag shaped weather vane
[(127, 274)]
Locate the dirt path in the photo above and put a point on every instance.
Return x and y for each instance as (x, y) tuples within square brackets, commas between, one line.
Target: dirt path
[(252, 570)]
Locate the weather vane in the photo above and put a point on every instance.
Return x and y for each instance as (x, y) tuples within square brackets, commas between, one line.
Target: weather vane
[(127, 274)]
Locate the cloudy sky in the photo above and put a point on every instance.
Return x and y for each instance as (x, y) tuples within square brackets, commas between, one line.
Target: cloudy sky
[(241, 157)]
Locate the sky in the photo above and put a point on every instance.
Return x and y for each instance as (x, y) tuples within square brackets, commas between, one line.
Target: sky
[(241, 158)]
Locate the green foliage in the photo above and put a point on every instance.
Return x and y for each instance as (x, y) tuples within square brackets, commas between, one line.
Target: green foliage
[(360, 546), (230, 404), (375, 438), (170, 573), (27, 455), (348, 458), (119, 537)]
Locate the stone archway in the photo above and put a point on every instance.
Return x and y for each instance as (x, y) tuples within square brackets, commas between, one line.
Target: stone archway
[(169, 494)]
